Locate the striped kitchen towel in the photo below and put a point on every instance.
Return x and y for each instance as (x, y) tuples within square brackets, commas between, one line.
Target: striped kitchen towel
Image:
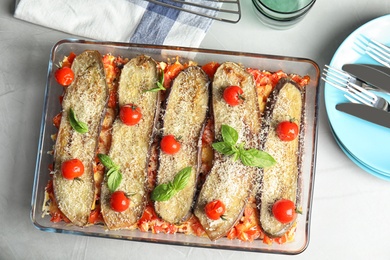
[(135, 21)]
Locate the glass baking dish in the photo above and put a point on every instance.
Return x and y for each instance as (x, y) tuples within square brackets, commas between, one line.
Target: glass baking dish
[(201, 56)]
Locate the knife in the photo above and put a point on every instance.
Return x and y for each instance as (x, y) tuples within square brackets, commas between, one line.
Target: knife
[(377, 76), (371, 114), (384, 69)]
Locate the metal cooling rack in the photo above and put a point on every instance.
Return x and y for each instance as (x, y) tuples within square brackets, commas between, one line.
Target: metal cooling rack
[(221, 10)]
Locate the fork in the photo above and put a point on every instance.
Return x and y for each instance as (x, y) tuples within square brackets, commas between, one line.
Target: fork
[(374, 49), (346, 77), (353, 92)]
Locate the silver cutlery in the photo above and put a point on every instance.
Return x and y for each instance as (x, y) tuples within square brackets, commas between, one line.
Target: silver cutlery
[(373, 48), (371, 114), (381, 68), (353, 92), (339, 78), (372, 75)]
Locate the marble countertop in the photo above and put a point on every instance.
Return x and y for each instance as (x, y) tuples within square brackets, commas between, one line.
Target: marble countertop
[(350, 214)]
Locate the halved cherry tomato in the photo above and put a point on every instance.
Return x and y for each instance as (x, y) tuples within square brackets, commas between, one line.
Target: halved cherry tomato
[(287, 130), (169, 144), (233, 95), (72, 169), (215, 209), (119, 201), (64, 76), (284, 210), (210, 68), (130, 114)]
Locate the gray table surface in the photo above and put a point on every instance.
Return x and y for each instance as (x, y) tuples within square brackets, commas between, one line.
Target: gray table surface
[(350, 215)]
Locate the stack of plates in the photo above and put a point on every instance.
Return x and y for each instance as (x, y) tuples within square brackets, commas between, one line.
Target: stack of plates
[(366, 144)]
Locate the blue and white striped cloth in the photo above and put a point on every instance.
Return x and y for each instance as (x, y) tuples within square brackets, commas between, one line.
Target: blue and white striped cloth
[(135, 21)]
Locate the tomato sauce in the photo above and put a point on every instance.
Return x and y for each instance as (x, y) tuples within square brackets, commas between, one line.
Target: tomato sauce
[(246, 229)]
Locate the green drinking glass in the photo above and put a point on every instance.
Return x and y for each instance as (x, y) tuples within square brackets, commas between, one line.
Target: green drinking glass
[(281, 14)]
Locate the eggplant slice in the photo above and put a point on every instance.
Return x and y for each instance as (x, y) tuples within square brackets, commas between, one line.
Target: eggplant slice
[(87, 96), (230, 181), (185, 117), (130, 147), (281, 180)]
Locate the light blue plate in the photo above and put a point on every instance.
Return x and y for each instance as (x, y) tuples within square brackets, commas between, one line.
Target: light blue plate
[(359, 163), (368, 144)]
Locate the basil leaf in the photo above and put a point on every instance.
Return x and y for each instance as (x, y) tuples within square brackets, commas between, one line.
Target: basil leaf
[(159, 83), (111, 171), (165, 191), (106, 161), (153, 89), (251, 157), (181, 179), (256, 158), (236, 156), (114, 176), (113, 180), (229, 134), (223, 148), (162, 192), (78, 126)]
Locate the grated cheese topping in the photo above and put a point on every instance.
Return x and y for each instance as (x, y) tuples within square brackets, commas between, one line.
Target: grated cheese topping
[(229, 180), (184, 117), (280, 181), (131, 144), (87, 96)]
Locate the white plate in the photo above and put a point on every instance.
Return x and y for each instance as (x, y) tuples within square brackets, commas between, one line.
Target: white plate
[(366, 142)]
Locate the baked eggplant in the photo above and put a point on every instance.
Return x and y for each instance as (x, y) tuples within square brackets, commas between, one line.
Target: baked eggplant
[(184, 118), (85, 99), (280, 181), (131, 144), (229, 180)]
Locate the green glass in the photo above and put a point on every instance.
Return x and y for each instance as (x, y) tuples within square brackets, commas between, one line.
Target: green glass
[(282, 5), (281, 14)]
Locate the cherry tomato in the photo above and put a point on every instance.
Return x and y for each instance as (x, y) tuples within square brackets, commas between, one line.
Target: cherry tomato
[(215, 209), (233, 95), (287, 130), (284, 210), (64, 76), (119, 201), (130, 114), (169, 144), (72, 168)]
